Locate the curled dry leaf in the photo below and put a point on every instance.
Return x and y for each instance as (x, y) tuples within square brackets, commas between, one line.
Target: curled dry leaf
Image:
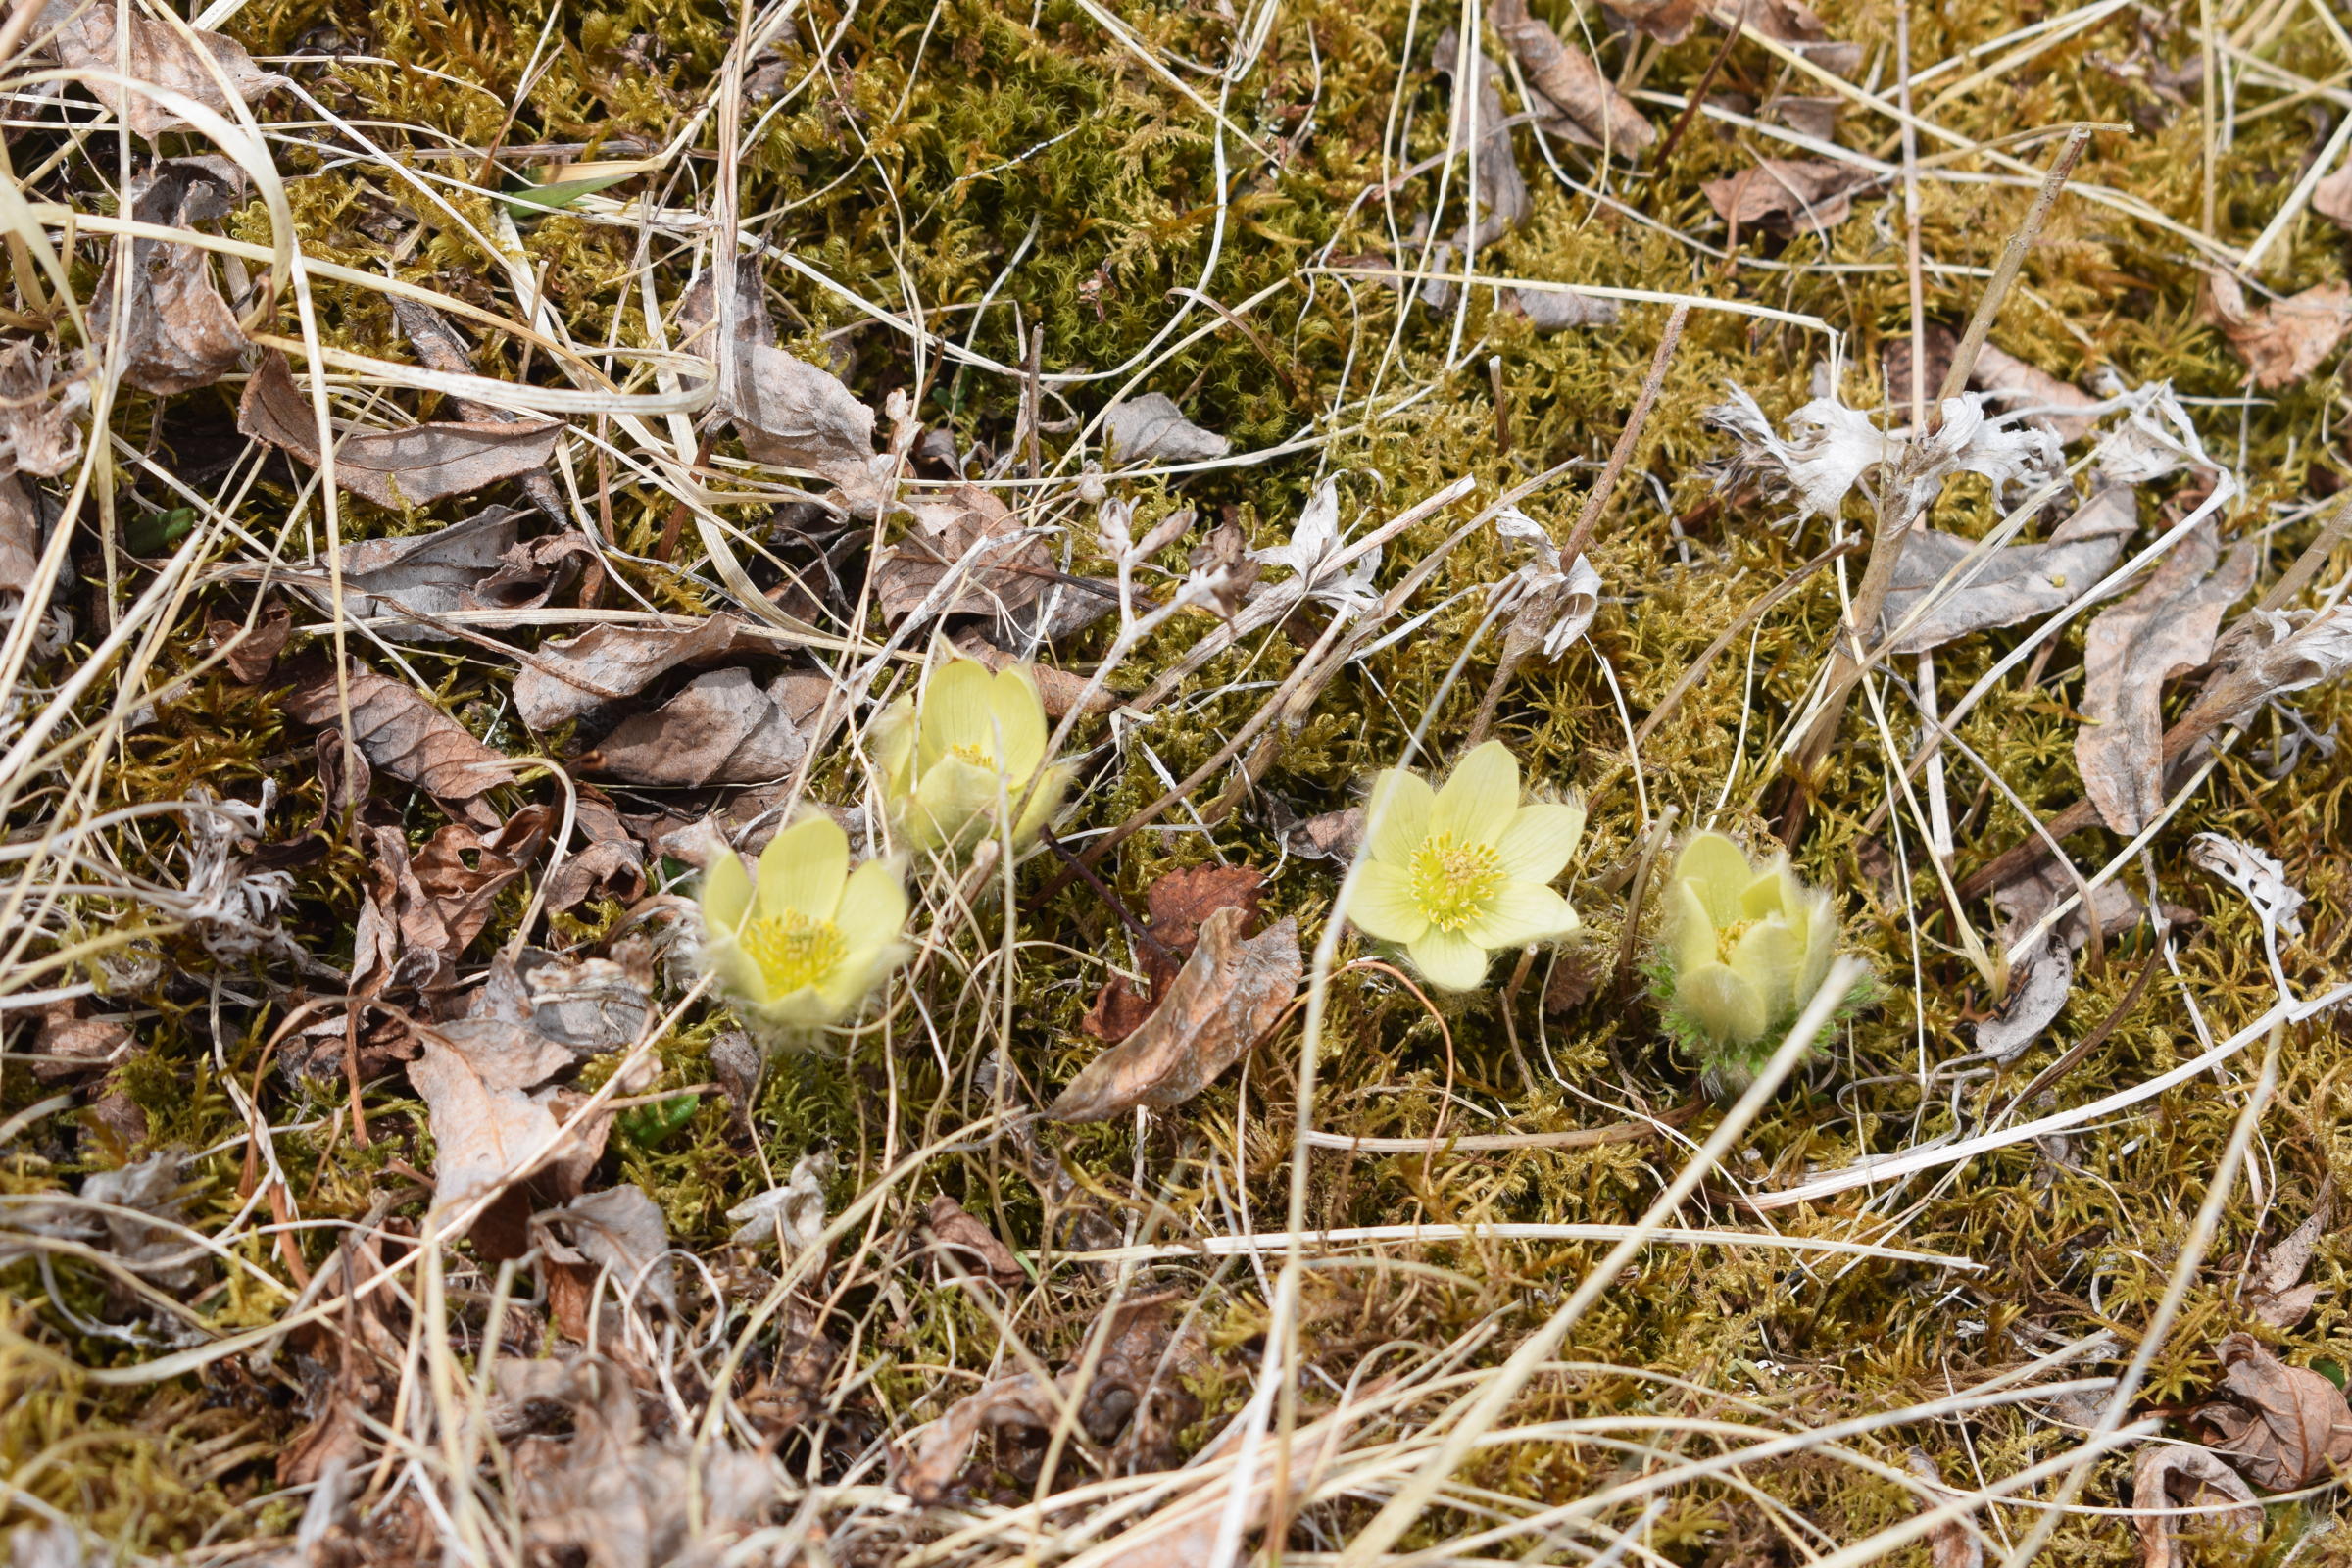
[(2170, 1476), (793, 414), (1180, 903), (394, 469), (1792, 24), (1783, 195), (38, 433), (612, 1494), (1228, 994), (2331, 198), (2284, 341), (2270, 655), (2031, 387), (620, 1229), (971, 1245), (20, 535), (1502, 199), (1571, 82), (2044, 974), (2288, 1427), (175, 330), (1667, 21), (433, 902), (1325, 836), (611, 860), (160, 53), (421, 574), (1551, 311), (723, 728), (572, 677), (2275, 1290), (1002, 568), (2133, 648), (793, 1214), (69, 1045), (251, 651), (401, 734), (1952, 1544), (1152, 429), (2011, 584)]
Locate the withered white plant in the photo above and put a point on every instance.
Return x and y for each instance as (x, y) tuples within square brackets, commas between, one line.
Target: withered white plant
[(1832, 450)]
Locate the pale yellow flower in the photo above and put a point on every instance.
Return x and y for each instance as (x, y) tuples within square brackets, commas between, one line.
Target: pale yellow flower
[(802, 942), (974, 746), (1456, 874), (1746, 947)]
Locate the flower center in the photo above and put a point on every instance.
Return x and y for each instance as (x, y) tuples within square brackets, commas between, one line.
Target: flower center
[(974, 752), (1454, 883), (1728, 938), (794, 952)]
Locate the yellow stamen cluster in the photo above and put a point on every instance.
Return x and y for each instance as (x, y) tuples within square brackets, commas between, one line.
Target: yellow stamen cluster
[(1454, 882), (794, 951)]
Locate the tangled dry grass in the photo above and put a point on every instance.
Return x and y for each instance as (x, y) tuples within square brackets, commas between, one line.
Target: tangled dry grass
[(470, 467)]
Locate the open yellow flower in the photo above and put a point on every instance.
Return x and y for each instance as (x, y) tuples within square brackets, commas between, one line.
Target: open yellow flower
[(1746, 947), (802, 942), (1456, 874), (974, 747)]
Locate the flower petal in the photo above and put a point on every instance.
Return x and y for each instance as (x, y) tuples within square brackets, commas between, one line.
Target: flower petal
[(1478, 802), (893, 737), (1522, 912), (1396, 817), (957, 712), (1715, 866), (1772, 892), (1021, 732), (1767, 957), (1381, 903), (1535, 847), (803, 867), (1448, 960), (726, 894), (873, 907), (1043, 800), (1689, 933), (1723, 1006), (957, 801)]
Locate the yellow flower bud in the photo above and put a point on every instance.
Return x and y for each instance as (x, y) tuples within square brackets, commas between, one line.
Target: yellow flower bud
[(973, 747)]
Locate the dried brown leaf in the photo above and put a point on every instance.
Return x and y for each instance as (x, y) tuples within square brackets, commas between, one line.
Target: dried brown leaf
[(1952, 1544), (723, 728), (2284, 341), (971, 1244), (611, 860), (2331, 198), (1503, 196), (1783, 195), (2132, 649), (1570, 81), (1226, 996), (1667, 21), (251, 653), (2288, 1425), (394, 469), (1179, 904), (573, 678), (38, 432), (484, 1128), (175, 332), (1024, 1399), (429, 574), (1007, 569), (1223, 561), (69, 1045), (2013, 583), (620, 1229), (160, 53), (612, 1494), (1152, 429), (2276, 1291), (401, 734), (1792, 24), (21, 533), (793, 414), (2180, 1475), (2033, 387)]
